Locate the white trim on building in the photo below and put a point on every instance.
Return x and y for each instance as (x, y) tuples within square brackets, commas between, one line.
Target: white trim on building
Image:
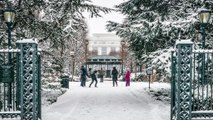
[(104, 43)]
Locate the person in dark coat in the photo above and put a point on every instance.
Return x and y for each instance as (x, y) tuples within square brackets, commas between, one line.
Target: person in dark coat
[(114, 76), (101, 74), (84, 75), (93, 77)]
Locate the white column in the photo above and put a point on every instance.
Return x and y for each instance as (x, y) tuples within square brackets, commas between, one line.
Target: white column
[(99, 51), (108, 50)]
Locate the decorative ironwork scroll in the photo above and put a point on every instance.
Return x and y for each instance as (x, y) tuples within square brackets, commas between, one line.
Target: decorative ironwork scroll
[(29, 79), (183, 80)]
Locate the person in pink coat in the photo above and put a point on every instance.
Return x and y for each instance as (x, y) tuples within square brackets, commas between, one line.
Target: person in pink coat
[(127, 77)]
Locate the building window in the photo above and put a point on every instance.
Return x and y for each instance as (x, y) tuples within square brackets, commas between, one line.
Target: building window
[(104, 50)]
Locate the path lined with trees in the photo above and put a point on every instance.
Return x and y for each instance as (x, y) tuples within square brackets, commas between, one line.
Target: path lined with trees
[(107, 102)]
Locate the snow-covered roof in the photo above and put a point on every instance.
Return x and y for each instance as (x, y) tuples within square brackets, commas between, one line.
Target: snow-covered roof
[(104, 37), (103, 57)]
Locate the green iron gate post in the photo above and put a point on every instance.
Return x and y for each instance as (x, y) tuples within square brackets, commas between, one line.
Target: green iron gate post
[(173, 60), (203, 79), (29, 68), (183, 80), (39, 84)]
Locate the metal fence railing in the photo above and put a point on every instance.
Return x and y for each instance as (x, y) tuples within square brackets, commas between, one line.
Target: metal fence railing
[(20, 82), (192, 83), (9, 82)]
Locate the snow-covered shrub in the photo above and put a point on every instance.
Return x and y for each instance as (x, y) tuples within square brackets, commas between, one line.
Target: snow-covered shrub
[(160, 61), (139, 77), (51, 88), (51, 92), (50, 96)]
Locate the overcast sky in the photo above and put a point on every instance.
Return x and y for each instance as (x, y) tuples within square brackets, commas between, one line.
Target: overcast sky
[(97, 25)]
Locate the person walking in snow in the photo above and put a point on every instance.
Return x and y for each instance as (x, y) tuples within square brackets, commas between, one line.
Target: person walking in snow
[(114, 76), (84, 75), (127, 77), (101, 74), (93, 77)]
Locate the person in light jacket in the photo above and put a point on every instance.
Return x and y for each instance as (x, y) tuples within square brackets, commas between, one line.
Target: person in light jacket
[(101, 74), (127, 77)]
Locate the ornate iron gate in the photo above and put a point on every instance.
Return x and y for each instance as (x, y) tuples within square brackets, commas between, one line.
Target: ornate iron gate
[(20, 82), (9, 82), (192, 83)]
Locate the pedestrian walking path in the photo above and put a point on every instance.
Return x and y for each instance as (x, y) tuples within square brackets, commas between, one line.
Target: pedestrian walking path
[(107, 103)]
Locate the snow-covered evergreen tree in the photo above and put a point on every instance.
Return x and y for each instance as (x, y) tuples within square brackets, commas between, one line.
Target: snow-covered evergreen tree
[(155, 25), (57, 24), (59, 27)]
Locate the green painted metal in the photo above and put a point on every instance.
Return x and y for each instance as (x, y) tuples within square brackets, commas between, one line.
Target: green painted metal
[(9, 100), (29, 80), (6, 73), (20, 98), (181, 89), (203, 26), (202, 85), (173, 71), (39, 85), (192, 81)]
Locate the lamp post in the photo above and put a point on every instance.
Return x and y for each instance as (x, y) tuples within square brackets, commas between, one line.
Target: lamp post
[(86, 45), (73, 63), (122, 57), (9, 16), (136, 68), (204, 16), (131, 58)]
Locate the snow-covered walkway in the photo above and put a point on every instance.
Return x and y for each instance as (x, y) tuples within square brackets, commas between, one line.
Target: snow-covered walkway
[(107, 103)]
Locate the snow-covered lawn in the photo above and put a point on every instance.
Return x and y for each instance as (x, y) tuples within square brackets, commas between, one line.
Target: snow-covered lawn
[(109, 103)]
